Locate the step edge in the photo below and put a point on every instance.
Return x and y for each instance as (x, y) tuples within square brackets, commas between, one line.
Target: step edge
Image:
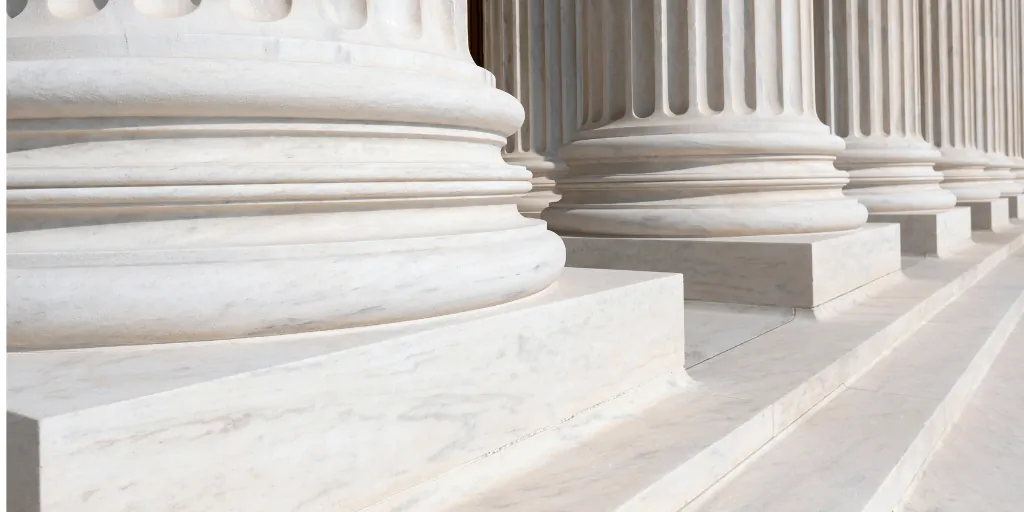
[(946, 295), (892, 492)]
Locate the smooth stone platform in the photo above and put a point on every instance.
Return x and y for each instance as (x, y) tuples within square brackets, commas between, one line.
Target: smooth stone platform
[(644, 457), (860, 449), (931, 234), (978, 466), (801, 271), (1016, 207), (989, 215), (333, 420)]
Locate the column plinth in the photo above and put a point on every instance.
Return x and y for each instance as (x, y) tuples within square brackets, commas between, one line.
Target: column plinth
[(184, 178)]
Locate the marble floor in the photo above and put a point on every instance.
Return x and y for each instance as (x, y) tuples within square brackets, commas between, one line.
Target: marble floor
[(980, 464)]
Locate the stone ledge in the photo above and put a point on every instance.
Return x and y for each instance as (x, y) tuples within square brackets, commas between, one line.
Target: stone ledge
[(745, 397), (931, 234), (328, 420), (989, 215), (1016, 207), (801, 271)]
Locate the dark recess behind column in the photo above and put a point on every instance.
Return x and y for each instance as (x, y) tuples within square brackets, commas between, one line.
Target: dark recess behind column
[(476, 30)]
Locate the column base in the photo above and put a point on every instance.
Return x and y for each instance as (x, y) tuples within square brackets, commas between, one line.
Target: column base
[(331, 420), (801, 271), (989, 215), (931, 234), (1016, 207)]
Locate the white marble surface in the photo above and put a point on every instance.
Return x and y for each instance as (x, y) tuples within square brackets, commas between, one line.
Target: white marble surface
[(861, 449), (530, 47), (890, 164), (931, 234), (990, 215), (657, 157), (980, 463), (186, 171), (769, 381), (800, 271), (713, 328), (336, 421), (1016, 206)]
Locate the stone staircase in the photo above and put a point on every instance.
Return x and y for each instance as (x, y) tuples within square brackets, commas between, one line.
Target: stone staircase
[(978, 464), (781, 410)]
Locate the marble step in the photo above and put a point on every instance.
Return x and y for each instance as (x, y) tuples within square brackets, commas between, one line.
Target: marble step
[(980, 463), (660, 448), (860, 451)]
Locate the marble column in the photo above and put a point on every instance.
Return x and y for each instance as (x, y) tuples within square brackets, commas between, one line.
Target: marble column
[(947, 100), (530, 47), (185, 170), (1015, 72), (869, 86), (698, 121), (990, 96), (1012, 63), (870, 81)]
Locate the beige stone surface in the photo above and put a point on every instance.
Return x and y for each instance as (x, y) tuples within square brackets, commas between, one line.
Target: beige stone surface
[(802, 271), (931, 234), (197, 171), (333, 420)]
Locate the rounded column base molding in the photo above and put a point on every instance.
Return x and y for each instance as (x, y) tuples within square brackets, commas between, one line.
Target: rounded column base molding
[(319, 180), (999, 170), (704, 185), (1017, 168), (963, 171), (544, 184), (891, 175), (68, 297)]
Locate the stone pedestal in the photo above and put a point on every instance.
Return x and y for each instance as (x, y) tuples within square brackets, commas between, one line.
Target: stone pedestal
[(931, 234), (990, 215), (800, 271), (1016, 206), (327, 421)]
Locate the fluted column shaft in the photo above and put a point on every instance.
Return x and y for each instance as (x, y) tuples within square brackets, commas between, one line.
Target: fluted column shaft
[(1012, 63), (698, 119), (948, 99), (182, 171), (989, 100), (530, 47), (870, 83)]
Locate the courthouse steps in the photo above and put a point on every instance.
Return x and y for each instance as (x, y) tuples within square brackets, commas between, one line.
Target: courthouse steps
[(666, 444), (862, 449), (977, 465)]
